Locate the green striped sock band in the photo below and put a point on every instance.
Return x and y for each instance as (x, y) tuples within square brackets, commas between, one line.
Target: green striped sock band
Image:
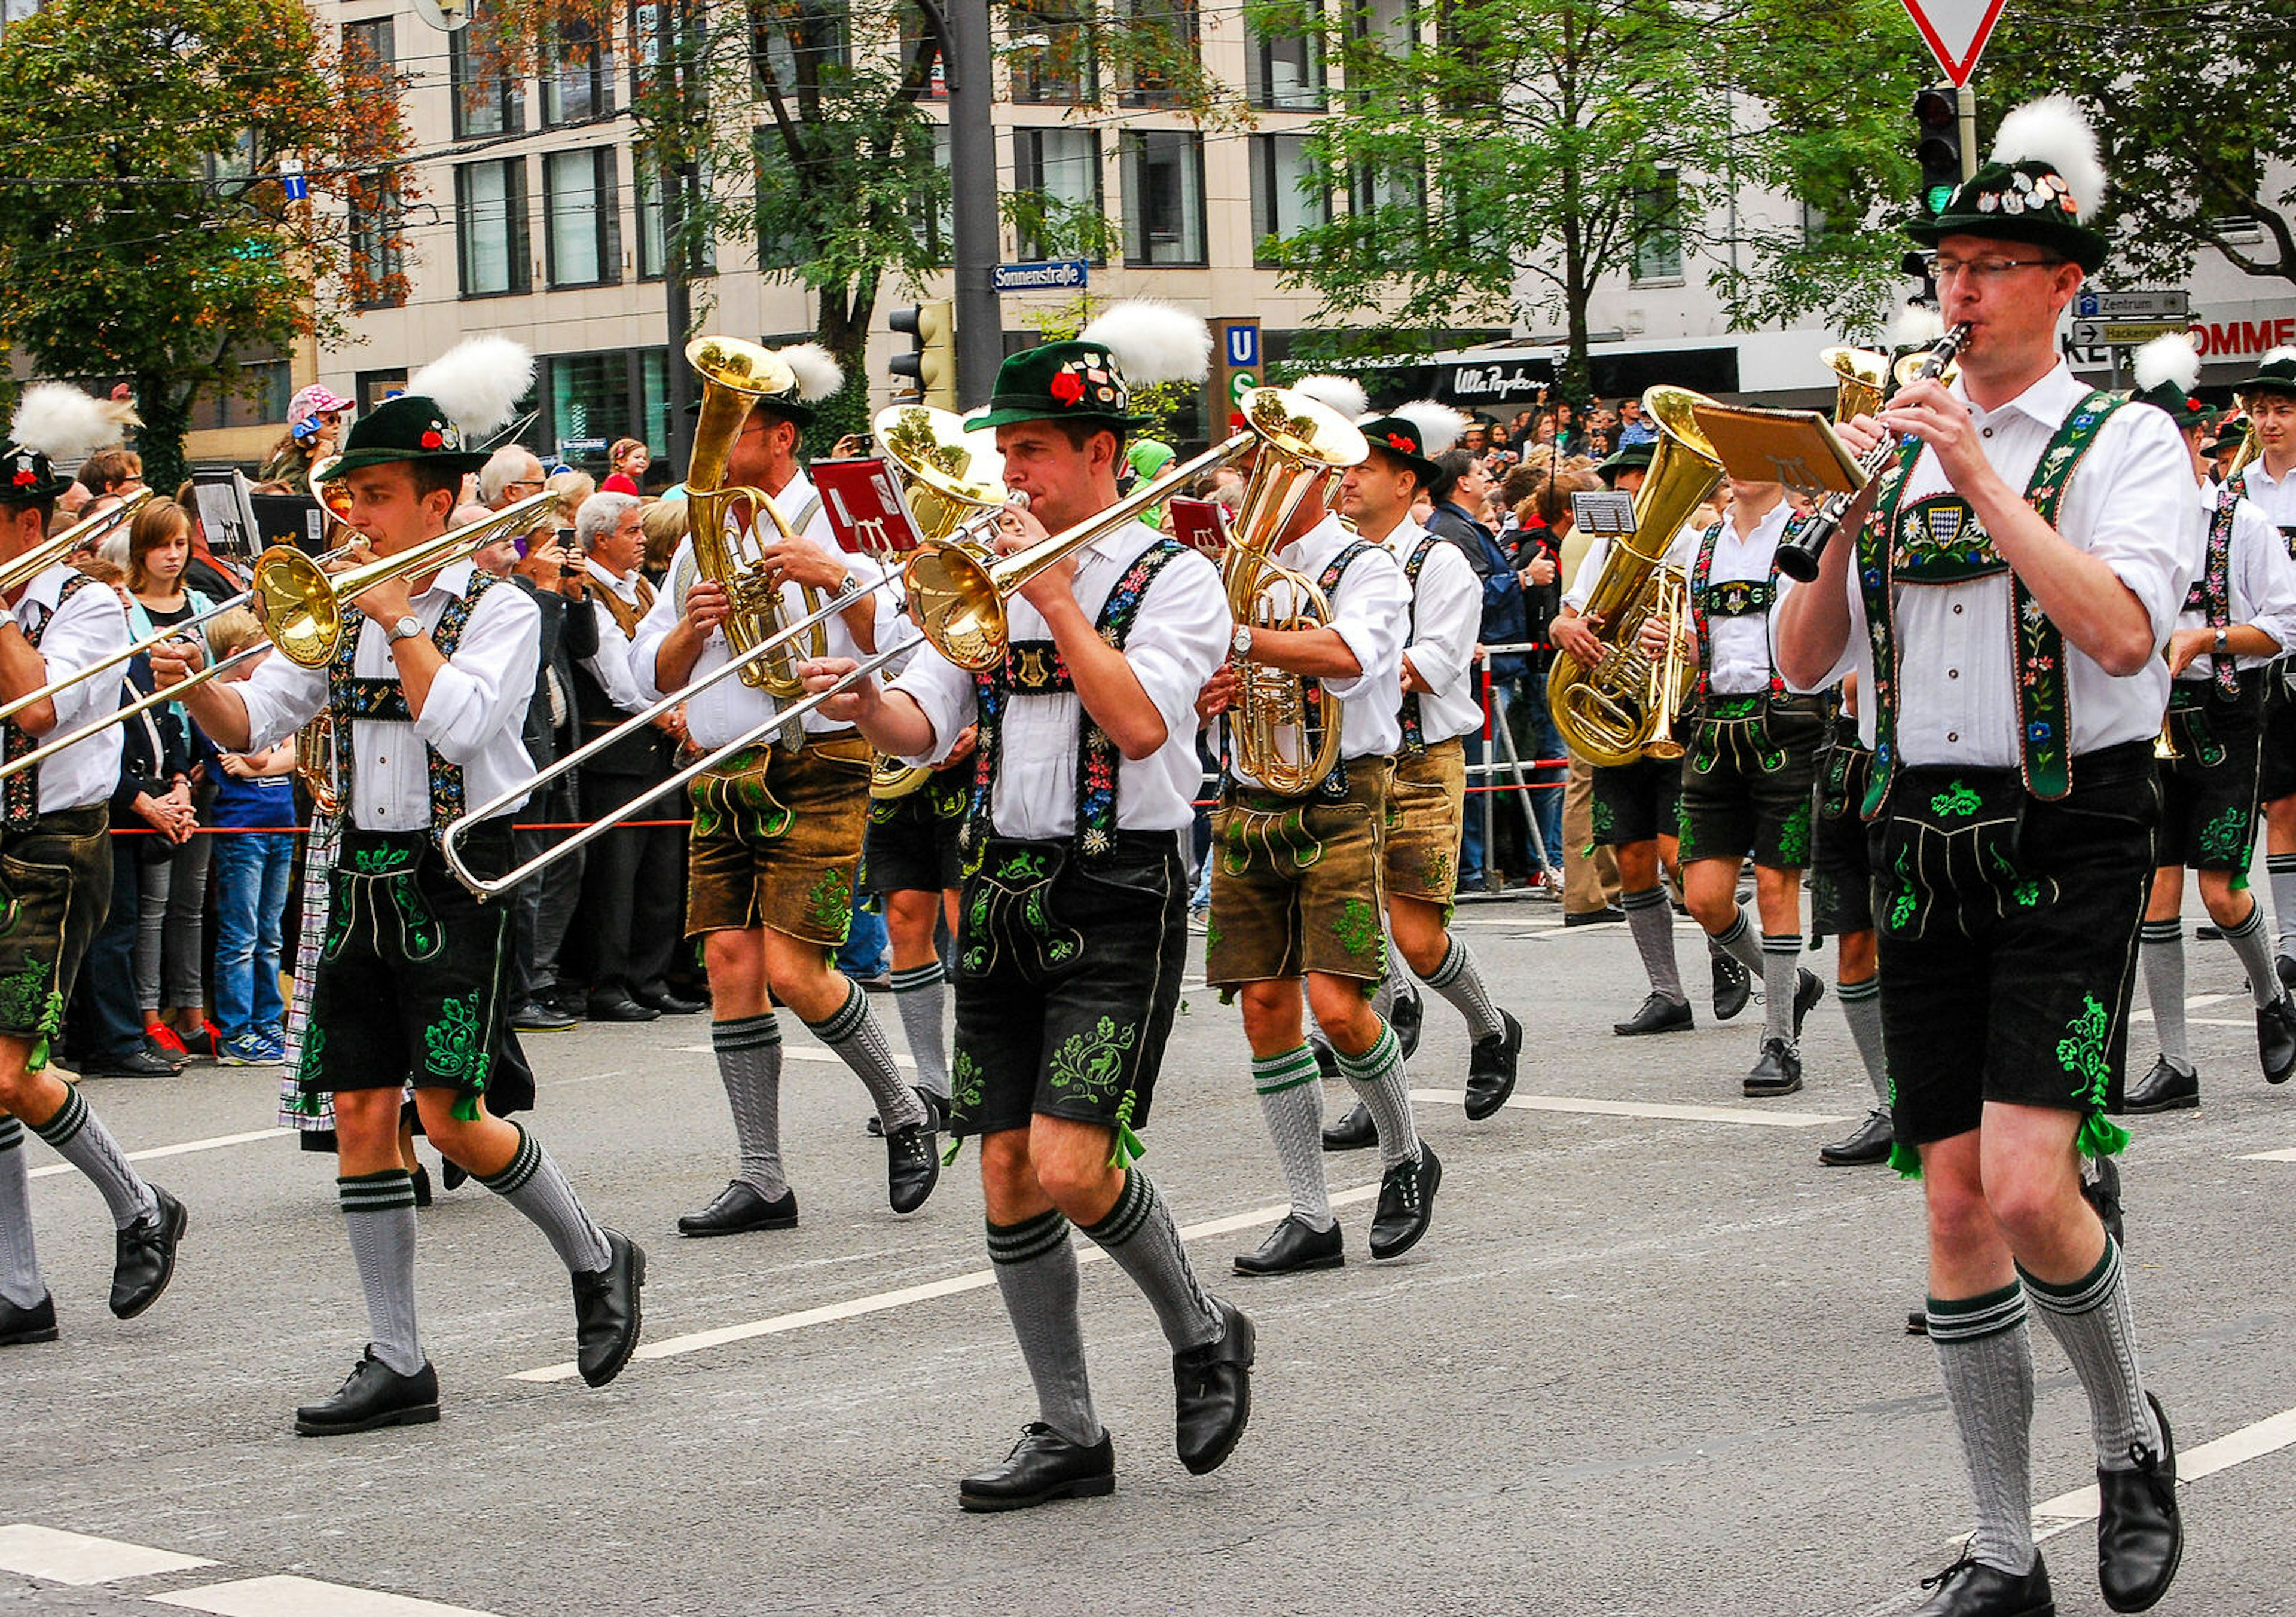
[(1294, 1067), (1974, 1319), (746, 1032), (70, 1118), (846, 1020), (918, 976), (383, 1192), (2084, 1294), (1133, 1202), (1858, 993), (523, 1162), (1375, 1062), (1027, 1240)]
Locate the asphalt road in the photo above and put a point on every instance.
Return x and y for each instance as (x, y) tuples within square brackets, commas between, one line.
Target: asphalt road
[(1643, 1363)]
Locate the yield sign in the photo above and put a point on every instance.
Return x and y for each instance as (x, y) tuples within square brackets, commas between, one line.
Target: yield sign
[(1956, 31)]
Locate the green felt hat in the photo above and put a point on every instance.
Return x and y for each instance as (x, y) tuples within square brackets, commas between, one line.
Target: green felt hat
[(2043, 186), (28, 477), (1400, 439), (1631, 457), (2180, 406), (449, 408), (2276, 373), (408, 428), (1061, 381), (2230, 435)]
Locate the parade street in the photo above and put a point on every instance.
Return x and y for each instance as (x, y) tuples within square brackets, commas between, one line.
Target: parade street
[(1651, 1359)]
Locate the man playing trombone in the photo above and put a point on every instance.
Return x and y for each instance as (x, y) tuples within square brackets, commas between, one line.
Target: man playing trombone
[(427, 689)]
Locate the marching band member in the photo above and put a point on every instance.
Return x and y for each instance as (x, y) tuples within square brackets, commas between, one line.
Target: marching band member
[(777, 839), (2268, 481), (1841, 907), (428, 694), (54, 826), (1073, 932), (2030, 545), (910, 859)]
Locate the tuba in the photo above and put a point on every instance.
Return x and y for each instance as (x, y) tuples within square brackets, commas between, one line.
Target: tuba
[(1609, 713), (951, 478), (1860, 377)]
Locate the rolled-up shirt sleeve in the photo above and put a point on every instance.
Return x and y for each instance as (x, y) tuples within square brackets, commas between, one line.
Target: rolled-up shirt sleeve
[(1370, 615), (86, 629), (281, 697), (2133, 495), (946, 694), (2268, 575), (488, 684), (1447, 618), (1189, 639), (1589, 573)]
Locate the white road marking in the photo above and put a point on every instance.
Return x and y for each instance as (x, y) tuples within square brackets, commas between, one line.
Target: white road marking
[(1644, 1109), (283, 1597), (2253, 1442), (2288, 1156), (156, 1152), (55, 1557), (954, 1285)]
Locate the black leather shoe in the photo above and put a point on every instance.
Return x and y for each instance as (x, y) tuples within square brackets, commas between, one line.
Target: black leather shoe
[(136, 1063), (658, 997), (1870, 1144), (936, 1107), (1408, 1017), (2285, 968), (1042, 1466), (18, 1326), (1327, 1059), (1809, 988), (2140, 1534), (1291, 1246), (1659, 1014), (607, 1314), (1594, 917), (374, 1395), (1777, 1073), (1970, 1588), (2275, 1039), (741, 1207), (536, 1017), (1491, 1068), (452, 1174), (2101, 1190), (1406, 1204), (1917, 1322), (1212, 1388), (615, 1008), (1354, 1131), (420, 1178), (1734, 987), (2164, 1088), (144, 1256), (912, 1167)]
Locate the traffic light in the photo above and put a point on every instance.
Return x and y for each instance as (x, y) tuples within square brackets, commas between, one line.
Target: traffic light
[(930, 366), (1937, 110), (1921, 266)]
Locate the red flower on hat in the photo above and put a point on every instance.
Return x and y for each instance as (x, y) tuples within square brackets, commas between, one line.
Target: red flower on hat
[(1067, 387), (431, 440), (1398, 441), (25, 478), (2193, 404)]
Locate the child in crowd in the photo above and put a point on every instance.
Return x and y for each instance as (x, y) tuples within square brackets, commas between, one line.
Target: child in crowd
[(254, 856)]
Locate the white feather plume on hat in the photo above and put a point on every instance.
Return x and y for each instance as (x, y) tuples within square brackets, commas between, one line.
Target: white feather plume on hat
[(477, 384), (1343, 394), (1439, 426), (1154, 341), (2170, 358), (819, 373), (2054, 131), (59, 421), (2279, 357), (1917, 326)]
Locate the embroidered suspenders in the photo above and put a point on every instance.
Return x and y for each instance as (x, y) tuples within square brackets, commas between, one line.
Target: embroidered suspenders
[(2211, 592), (1415, 739), (1733, 598)]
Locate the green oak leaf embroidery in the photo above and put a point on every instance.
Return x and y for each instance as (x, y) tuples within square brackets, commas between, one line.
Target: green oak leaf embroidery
[(1211, 937), (23, 995), (2027, 893), (830, 902), (1093, 1064), (2081, 1051), (2226, 836), (1955, 802), (1357, 929), (1022, 867), (965, 1083), (454, 1046), (1602, 819), (1901, 909), (1436, 874)]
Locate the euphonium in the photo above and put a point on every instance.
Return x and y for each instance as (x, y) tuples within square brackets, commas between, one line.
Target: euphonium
[(1860, 377), (950, 477), (734, 376), (1609, 713)]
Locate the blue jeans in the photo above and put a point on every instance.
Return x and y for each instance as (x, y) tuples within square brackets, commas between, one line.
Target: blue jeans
[(252, 869), (868, 944)]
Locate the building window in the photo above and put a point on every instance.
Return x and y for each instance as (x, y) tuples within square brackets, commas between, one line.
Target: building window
[(1657, 214), (580, 202), (1372, 187), (796, 45), (1288, 195), (377, 387), (370, 46), (257, 398), (1285, 72), (933, 215), (1162, 47), (486, 101), (377, 230), (1815, 225), (1164, 198), (1056, 171), (1391, 24), (490, 227), (1051, 52), (577, 74)]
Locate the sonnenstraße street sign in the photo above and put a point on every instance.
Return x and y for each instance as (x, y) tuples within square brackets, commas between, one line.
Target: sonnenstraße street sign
[(1057, 274)]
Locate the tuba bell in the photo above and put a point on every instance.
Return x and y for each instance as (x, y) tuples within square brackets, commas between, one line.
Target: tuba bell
[(951, 477), (1861, 377), (1609, 713)]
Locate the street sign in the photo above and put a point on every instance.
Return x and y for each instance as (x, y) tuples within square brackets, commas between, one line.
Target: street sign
[(2122, 333), (567, 448), (1243, 345), (1956, 31), (292, 180), (1054, 275), (1238, 383), (2132, 305)]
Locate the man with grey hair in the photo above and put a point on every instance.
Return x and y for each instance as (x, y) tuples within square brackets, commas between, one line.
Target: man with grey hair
[(511, 473)]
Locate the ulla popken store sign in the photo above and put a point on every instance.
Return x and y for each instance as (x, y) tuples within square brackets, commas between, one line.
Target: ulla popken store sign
[(1494, 381)]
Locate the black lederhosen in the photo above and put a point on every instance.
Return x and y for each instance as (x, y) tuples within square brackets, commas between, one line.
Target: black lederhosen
[(1749, 764), (911, 845), (1635, 801), (2208, 791), (2008, 938), (414, 977), (1841, 862), (1067, 977), (57, 877), (2276, 773)]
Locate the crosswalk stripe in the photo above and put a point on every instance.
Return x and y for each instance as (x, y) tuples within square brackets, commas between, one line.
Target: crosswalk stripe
[(55, 1557), (288, 1597)]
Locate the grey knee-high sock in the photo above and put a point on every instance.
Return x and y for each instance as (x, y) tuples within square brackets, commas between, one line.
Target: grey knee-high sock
[(920, 995), (2092, 1321), (533, 1185), (1780, 976), (1459, 982), (1035, 1270), (1292, 1100), (2160, 946), (1984, 1352), (748, 1051), (2280, 871), (2254, 950), (1861, 1008), (1376, 1076), (1139, 1234), (80, 1138), (1652, 922), (851, 1030), (379, 1212), (20, 1259), (1740, 942)]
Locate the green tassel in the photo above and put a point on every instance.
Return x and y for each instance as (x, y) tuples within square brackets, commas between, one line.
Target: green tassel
[(466, 1109), (1128, 1148), (2100, 1136), (1905, 1159), (955, 1147), (38, 1061), (51, 1018)]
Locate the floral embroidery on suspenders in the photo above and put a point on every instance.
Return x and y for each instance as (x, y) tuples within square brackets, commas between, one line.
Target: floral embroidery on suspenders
[(22, 798), (1415, 739), (1733, 598), (2211, 592), (1937, 540)]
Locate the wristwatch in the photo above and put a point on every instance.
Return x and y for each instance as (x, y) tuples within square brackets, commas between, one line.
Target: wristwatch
[(1240, 641), (2224, 643), (405, 628)]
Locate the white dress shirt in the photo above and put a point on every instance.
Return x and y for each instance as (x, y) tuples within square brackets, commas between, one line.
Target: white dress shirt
[(732, 707), (2276, 497), (81, 632), (2261, 584), (1743, 650), (609, 664), (1447, 619), (474, 713), (2130, 504), (1180, 636), (1598, 553)]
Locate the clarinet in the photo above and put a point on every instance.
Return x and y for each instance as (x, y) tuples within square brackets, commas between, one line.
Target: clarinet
[(1800, 558)]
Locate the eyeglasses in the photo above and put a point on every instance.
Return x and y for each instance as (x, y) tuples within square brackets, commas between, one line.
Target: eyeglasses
[(1988, 270), (526, 483)]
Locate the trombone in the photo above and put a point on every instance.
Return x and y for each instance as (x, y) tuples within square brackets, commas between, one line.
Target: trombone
[(87, 531)]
